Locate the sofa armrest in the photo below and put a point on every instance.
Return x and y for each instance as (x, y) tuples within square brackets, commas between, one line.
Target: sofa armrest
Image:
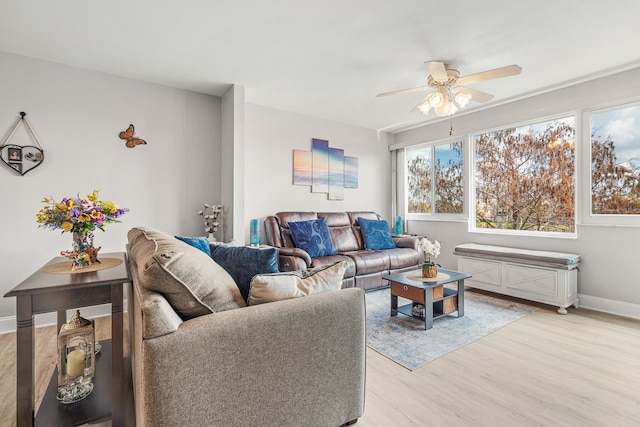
[(157, 317), (407, 242), (259, 365), (289, 255)]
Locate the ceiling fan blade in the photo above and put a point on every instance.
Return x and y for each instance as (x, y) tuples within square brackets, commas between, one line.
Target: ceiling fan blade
[(510, 70), (437, 70), (476, 95), (395, 92)]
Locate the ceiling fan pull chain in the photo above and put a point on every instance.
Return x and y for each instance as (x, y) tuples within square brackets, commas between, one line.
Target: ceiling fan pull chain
[(451, 125)]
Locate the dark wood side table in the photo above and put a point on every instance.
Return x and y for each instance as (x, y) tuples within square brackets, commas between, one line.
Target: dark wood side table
[(45, 292)]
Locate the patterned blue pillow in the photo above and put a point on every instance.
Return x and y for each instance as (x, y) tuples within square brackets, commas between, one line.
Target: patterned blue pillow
[(243, 262), (376, 234), (201, 243), (313, 237)]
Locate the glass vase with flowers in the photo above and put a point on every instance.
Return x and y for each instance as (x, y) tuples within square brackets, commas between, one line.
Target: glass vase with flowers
[(79, 216)]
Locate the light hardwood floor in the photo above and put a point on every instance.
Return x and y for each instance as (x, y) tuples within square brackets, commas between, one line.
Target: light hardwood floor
[(582, 369)]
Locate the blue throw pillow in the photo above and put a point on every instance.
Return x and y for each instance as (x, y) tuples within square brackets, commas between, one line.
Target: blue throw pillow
[(201, 243), (376, 234), (243, 262), (313, 237)]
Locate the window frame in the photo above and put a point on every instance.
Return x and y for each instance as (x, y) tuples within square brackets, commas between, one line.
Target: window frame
[(436, 216)]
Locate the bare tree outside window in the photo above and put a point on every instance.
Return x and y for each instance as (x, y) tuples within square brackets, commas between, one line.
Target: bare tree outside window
[(435, 186), (449, 191), (615, 162), (525, 177), (419, 179)]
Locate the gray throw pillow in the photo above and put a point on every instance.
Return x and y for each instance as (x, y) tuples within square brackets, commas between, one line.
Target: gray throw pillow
[(190, 280)]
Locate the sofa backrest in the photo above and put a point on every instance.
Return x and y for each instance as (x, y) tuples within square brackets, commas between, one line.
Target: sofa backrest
[(353, 219), (277, 227), (343, 226), (342, 233)]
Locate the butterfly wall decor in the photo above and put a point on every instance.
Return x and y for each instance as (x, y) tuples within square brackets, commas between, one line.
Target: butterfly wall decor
[(128, 135)]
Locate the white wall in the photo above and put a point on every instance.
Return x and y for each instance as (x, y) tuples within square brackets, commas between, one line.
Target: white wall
[(77, 115), (608, 277), (270, 138)]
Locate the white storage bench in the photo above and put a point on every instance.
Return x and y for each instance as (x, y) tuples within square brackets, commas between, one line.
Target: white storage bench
[(546, 277)]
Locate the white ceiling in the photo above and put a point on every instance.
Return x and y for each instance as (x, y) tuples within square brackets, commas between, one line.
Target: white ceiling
[(329, 58)]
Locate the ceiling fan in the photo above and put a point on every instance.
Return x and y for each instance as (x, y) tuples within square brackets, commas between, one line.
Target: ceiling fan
[(449, 90)]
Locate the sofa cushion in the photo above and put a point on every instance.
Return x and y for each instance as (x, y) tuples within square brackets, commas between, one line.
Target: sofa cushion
[(201, 243), (280, 286), (313, 237), (193, 284), (402, 257), (368, 262), (376, 234), (243, 262)]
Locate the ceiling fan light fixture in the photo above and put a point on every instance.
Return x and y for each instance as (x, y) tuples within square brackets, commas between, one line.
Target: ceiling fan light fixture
[(436, 99), (446, 108), (462, 99), (424, 108), (450, 91)]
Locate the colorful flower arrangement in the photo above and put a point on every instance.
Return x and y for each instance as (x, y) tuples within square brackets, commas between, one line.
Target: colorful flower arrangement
[(430, 250), (77, 215)]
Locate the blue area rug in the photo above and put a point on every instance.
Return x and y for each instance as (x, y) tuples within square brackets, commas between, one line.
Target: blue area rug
[(404, 340)]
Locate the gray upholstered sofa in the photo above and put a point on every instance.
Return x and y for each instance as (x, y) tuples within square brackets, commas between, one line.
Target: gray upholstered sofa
[(296, 362), (365, 267)]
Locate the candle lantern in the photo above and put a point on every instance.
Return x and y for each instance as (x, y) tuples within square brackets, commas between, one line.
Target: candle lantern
[(76, 359)]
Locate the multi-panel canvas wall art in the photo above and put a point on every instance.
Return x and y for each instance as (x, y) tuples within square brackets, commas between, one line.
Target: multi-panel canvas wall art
[(325, 169)]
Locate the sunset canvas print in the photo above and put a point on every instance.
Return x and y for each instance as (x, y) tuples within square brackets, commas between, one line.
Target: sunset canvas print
[(325, 169)]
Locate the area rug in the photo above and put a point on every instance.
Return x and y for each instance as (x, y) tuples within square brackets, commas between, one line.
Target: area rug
[(403, 339)]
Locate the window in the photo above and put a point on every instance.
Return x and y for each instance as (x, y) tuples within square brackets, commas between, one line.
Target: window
[(435, 179), (615, 161), (525, 177)]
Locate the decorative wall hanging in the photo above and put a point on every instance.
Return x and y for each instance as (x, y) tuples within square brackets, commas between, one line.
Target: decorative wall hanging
[(21, 158), (325, 169), (128, 135)]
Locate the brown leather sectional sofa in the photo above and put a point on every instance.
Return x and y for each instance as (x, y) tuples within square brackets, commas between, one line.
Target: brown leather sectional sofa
[(365, 267)]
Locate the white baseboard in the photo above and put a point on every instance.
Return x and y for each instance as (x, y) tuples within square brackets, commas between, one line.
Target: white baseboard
[(605, 305), (620, 308), (8, 323)]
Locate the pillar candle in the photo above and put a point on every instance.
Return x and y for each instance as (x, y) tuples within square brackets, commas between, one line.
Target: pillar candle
[(75, 363)]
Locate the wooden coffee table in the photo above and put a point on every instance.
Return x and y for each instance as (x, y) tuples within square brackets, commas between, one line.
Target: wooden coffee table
[(438, 300)]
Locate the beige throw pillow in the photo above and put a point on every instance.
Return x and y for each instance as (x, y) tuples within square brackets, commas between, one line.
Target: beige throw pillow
[(190, 280), (294, 284)]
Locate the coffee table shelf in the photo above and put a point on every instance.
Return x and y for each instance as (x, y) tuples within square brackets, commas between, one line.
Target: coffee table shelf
[(441, 306)]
